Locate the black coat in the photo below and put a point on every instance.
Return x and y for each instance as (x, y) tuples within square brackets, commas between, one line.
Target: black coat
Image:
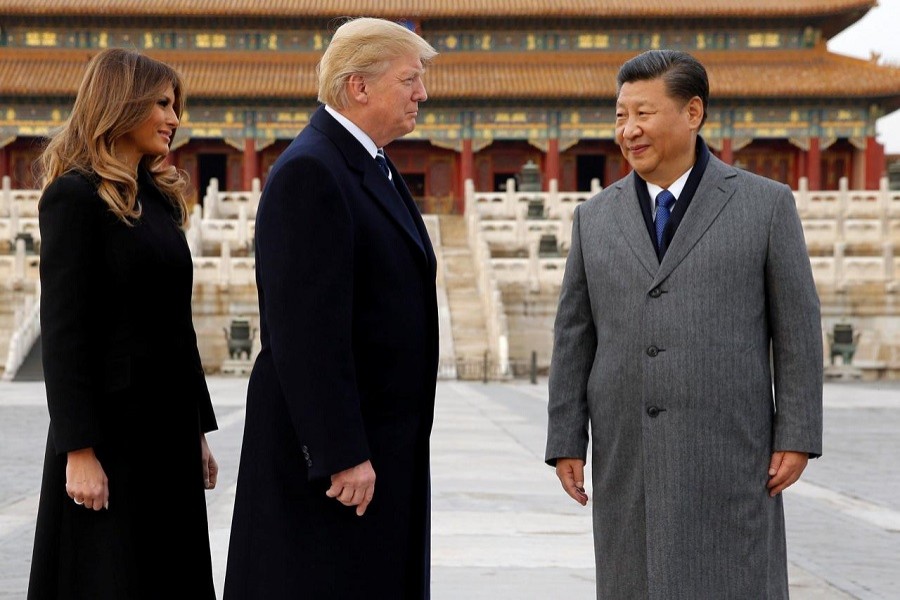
[(346, 373), (123, 376)]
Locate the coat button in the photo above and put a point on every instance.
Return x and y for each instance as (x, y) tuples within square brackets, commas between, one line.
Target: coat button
[(309, 462), (653, 411), (652, 351), (655, 293)]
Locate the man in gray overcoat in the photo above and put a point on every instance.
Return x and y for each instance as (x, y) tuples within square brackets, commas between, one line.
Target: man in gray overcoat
[(688, 350)]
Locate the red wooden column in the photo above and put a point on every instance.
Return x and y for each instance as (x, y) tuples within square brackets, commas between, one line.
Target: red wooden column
[(251, 163), (551, 164), (624, 167), (814, 165), (874, 163), (466, 171), (800, 170), (727, 152), (4, 162)]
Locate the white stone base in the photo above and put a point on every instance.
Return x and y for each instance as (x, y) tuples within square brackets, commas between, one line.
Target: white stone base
[(236, 367), (843, 373)]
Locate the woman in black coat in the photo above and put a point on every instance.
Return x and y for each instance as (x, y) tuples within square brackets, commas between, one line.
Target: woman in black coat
[(127, 460)]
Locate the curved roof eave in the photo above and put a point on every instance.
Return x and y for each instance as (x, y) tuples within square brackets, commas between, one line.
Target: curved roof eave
[(474, 76)]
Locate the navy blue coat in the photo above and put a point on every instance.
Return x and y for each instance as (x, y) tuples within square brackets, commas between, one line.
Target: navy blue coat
[(346, 373)]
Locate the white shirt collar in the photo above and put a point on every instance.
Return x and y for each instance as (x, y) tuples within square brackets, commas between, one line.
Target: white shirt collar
[(676, 188), (354, 130)]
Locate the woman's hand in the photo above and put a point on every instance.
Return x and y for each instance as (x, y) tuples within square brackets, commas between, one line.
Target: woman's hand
[(86, 481)]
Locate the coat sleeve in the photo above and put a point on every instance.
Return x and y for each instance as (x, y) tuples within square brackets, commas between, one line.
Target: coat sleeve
[(305, 251), (795, 321), (574, 347), (205, 410), (69, 218), (195, 383)]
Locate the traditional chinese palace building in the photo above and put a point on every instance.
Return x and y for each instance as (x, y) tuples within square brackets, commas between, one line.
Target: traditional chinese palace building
[(516, 80)]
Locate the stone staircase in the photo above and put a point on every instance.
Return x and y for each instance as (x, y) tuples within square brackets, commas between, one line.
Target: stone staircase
[(10, 299), (466, 313), (31, 369)]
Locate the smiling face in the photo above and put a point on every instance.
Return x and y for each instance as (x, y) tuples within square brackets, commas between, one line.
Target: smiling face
[(390, 101), (656, 133), (154, 136)]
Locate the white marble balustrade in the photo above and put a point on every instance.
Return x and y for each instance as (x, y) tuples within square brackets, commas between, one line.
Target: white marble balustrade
[(24, 202), (218, 204), (847, 203), (224, 271), (853, 235), (508, 232), (863, 221), (26, 329), (511, 203), (237, 233)]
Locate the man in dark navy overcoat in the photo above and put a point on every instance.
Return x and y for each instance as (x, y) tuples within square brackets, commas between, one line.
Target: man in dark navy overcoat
[(333, 495)]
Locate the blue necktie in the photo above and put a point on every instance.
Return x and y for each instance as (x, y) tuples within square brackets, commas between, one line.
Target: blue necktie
[(382, 163), (410, 225), (664, 202)]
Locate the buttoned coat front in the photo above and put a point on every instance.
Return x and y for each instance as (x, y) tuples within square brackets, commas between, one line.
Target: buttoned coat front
[(346, 373), (667, 369)]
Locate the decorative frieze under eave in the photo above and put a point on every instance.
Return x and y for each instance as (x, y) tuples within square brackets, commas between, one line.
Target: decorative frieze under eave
[(447, 126)]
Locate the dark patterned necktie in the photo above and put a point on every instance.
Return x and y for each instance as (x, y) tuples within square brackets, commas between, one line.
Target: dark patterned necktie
[(382, 163), (664, 202)]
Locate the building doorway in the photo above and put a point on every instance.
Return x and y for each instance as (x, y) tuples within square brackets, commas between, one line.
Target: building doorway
[(588, 167), (415, 182), (209, 166), (500, 180)]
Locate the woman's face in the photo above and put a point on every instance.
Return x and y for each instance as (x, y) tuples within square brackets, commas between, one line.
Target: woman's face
[(154, 135)]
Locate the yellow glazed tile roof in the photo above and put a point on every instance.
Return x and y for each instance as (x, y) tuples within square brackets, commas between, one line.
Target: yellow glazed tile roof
[(464, 76), (438, 8)]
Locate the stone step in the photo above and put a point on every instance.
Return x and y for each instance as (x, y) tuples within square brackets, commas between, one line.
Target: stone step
[(466, 315), (454, 231), (10, 298)]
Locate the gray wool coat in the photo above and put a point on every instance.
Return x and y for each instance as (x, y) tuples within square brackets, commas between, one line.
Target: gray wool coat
[(685, 376)]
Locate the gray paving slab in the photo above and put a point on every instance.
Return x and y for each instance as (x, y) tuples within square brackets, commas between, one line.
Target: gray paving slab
[(502, 527)]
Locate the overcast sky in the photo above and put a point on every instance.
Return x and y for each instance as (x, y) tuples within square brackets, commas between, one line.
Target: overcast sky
[(878, 31)]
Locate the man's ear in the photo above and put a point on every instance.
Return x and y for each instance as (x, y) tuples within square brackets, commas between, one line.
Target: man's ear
[(356, 88), (695, 111)]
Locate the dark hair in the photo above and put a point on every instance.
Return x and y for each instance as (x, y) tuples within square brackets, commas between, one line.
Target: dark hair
[(683, 74)]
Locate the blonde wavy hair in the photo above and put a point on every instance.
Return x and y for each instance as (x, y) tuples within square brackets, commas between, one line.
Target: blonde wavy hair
[(364, 46), (117, 94)]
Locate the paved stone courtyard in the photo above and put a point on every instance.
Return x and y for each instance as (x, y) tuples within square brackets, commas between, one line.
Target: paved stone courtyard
[(502, 527)]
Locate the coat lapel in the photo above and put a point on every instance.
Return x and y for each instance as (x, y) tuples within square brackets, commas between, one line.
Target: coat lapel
[(413, 210), (631, 221), (716, 189), (391, 199), (374, 182)]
